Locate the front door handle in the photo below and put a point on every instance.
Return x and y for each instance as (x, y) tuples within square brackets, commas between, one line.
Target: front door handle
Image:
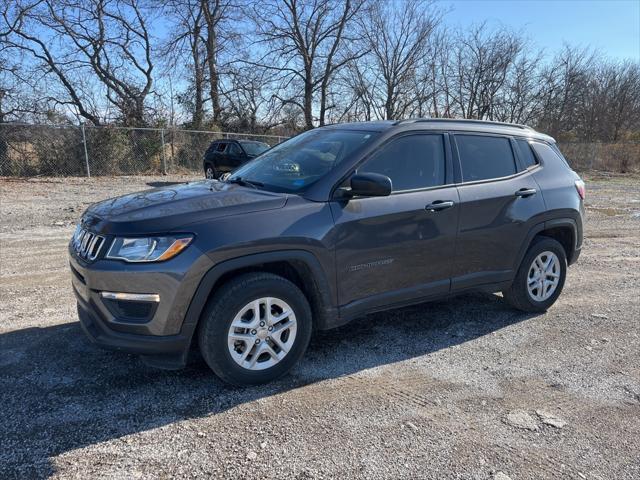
[(526, 192), (439, 205)]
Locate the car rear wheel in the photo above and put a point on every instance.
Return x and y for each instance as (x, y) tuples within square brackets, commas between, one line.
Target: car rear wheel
[(209, 172), (255, 328), (540, 278)]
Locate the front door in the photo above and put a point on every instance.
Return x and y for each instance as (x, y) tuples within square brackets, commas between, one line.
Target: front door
[(398, 248)]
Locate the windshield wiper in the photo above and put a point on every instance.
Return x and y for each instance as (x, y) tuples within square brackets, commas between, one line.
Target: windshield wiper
[(245, 183)]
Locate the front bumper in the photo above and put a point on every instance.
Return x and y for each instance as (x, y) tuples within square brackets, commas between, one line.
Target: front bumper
[(98, 331), (163, 337)]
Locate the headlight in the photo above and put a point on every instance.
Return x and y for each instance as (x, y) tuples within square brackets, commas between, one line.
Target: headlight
[(147, 249)]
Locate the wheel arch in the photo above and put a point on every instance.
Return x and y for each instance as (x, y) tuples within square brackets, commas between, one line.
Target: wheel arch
[(299, 266), (208, 162), (563, 230)]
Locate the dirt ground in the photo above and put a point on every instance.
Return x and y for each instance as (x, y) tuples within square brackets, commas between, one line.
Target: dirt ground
[(465, 388)]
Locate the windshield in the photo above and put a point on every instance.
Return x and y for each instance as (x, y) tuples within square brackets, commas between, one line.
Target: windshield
[(254, 148), (296, 164)]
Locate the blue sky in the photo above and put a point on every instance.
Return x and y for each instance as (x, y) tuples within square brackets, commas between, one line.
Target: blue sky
[(612, 26)]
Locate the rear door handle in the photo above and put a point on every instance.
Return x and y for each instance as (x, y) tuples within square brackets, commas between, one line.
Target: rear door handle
[(439, 205), (526, 192)]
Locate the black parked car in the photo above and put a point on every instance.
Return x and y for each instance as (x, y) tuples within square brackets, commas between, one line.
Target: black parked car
[(223, 156), (330, 225)]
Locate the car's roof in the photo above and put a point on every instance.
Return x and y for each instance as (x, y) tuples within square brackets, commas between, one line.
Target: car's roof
[(253, 141), (454, 124)]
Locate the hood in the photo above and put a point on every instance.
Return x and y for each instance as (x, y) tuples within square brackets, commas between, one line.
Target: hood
[(170, 208)]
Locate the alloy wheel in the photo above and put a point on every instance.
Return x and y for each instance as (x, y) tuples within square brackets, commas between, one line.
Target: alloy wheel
[(262, 333), (544, 276)]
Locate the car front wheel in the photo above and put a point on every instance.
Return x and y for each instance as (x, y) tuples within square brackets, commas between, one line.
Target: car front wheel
[(255, 328)]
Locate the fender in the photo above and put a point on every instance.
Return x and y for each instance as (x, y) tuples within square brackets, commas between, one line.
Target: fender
[(203, 291), (540, 227), (577, 234)]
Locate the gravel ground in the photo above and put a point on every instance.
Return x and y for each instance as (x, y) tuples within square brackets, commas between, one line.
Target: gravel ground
[(465, 388)]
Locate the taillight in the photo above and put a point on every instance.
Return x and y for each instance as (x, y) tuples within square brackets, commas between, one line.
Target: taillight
[(581, 189)]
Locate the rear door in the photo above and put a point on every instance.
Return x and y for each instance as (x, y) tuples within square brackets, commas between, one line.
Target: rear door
[(500, 202), (397, 248)]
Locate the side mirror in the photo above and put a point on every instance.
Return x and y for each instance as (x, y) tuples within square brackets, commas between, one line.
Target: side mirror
[(370, 185)]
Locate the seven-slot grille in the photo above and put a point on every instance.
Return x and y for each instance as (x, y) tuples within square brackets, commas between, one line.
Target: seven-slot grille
[(87, 244)]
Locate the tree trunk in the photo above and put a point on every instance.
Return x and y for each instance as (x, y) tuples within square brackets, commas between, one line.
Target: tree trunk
[(308, 98), (198, 110), (212, 58)]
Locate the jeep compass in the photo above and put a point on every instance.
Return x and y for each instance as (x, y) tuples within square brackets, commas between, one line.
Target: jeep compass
[(327, 226)]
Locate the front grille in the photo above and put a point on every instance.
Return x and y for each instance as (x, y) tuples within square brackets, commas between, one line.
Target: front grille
[(87, 244)]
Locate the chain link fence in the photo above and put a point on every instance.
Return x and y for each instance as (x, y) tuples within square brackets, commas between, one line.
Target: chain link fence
[(43, 150)]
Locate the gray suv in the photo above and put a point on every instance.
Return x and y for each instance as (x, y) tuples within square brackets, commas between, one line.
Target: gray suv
[(330, 225)]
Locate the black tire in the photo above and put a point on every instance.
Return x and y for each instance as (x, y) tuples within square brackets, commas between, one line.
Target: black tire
[(518, 294), (221, 310), (210, 174)]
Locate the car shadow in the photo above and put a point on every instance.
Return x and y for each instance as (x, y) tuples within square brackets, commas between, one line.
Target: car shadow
[(60, 393)]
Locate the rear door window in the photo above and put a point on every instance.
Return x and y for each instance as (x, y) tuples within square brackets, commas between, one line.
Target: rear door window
[(221, 147), (411, 162), (525, 153), (485, 157)]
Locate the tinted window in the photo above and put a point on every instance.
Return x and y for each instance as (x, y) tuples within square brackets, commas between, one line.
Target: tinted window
[(221, 147), (485, 157), (234, 149), (548, 154), (254, 148), (525, 153), (294, 165), (414, 161)]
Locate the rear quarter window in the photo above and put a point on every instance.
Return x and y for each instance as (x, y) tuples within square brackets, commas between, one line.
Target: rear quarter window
[(485, 157), (525, 153), (548, 153)]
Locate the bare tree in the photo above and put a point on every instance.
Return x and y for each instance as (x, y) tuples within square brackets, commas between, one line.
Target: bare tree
[(186, 40), (21, 20), (250, 106), (397, 39), (478, 70), (13, 98), (288, 64), (73, 38), (613, 93), (564, 78), (521, 97), (213, 12), (306, 46)]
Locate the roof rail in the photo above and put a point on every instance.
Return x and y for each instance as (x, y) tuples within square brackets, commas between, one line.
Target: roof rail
[(463, 120)]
